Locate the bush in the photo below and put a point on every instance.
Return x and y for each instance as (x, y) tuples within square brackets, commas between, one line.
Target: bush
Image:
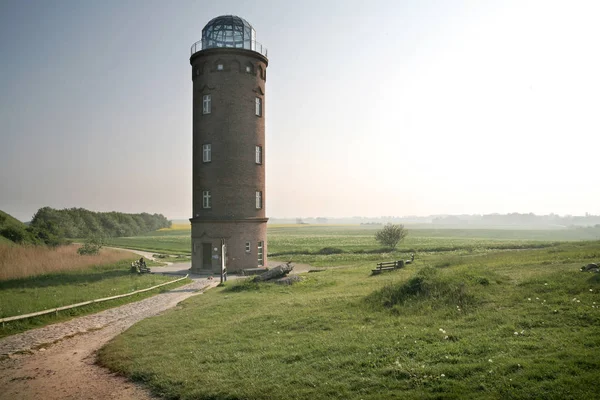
[(91, 247), (391, 235), (13, 233), (330, 250), (428, 285)]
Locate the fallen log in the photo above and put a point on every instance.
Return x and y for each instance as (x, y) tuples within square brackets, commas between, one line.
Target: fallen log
[(591, 268), (275, 273)]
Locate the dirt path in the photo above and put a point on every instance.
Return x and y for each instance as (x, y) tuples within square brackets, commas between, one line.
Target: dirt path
[(57, 361), (146, 254)]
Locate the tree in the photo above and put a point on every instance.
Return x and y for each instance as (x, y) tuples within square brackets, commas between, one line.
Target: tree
[(91, 247), (391, 235)]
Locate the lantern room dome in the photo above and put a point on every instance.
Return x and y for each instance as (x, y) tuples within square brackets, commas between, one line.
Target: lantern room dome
[(229, 31)]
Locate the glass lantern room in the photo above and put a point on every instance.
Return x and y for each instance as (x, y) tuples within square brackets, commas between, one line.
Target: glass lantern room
[(229, 31)]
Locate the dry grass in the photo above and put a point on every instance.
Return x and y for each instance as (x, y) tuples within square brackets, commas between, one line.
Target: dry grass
[(23, 261)]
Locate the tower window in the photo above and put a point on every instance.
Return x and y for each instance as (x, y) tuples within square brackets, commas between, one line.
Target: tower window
[(219, 67), (261, 257), (206, 199), (206, 150), (258, 109), (259, 203), (258, 155), (206, 100), (247, 247)]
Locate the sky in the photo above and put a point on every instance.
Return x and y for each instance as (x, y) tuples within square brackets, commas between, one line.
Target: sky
[(372, 108)]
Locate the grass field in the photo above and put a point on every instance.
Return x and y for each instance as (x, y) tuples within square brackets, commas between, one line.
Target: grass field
[(298, 241), (474, 317), (77, 281)]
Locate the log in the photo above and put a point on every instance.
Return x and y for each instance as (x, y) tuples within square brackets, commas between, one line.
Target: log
[(591, 268), (275, 273), (288, 280)]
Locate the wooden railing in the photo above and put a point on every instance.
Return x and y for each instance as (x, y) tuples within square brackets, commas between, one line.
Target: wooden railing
[(85, 303)]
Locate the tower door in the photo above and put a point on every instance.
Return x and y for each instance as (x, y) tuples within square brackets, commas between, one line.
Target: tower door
[(206, 255)]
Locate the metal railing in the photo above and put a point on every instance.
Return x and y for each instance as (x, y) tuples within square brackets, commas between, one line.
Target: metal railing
[(213, 44)]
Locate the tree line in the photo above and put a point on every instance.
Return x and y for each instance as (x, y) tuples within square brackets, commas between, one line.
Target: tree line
[(82, 223)]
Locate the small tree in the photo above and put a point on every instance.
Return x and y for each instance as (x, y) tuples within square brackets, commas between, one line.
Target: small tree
[(91, 247), (391, 235)]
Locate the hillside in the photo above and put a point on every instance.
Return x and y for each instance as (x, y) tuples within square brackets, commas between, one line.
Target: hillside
[(14, 231)]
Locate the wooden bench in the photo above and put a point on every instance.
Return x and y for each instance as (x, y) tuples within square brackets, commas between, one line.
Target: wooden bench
[(392, 265), (388, 266)]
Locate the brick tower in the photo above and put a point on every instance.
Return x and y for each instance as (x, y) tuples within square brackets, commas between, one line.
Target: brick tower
[(228, 73)]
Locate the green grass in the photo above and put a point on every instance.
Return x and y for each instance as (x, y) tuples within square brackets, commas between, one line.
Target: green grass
[(473, 321), (174, 242), (299, 240), (23, 296)]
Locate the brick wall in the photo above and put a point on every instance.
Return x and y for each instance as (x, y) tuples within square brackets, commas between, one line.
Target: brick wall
[(233, 130)]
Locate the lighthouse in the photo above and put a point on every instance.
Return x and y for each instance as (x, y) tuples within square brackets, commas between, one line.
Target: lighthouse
[(229, 70)]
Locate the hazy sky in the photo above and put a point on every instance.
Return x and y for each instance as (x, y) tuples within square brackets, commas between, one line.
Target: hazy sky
[(373, 107)]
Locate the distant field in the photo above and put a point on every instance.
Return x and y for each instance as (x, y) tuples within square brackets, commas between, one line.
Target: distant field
[(177, 227), (301, 240), (493, 316)]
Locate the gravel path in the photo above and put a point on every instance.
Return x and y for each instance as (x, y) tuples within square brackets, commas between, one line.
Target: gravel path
[(57, 361)]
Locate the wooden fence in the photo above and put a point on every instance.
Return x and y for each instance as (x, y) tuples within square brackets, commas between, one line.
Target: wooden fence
[(85, 303)]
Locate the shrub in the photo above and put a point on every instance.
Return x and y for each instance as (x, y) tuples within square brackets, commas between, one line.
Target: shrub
[(13, 233), (330, 250), (391, 235), (91, 247), (429, 284)]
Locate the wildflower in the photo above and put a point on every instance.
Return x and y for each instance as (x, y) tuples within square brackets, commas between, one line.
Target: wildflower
[(522, 332), (490, 360), (443, 331), (545, 284), (529, 298), (516, 333), (537, 298), (574, 299), (591, 290), (446, 337), (442, 375), (579, 301)]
